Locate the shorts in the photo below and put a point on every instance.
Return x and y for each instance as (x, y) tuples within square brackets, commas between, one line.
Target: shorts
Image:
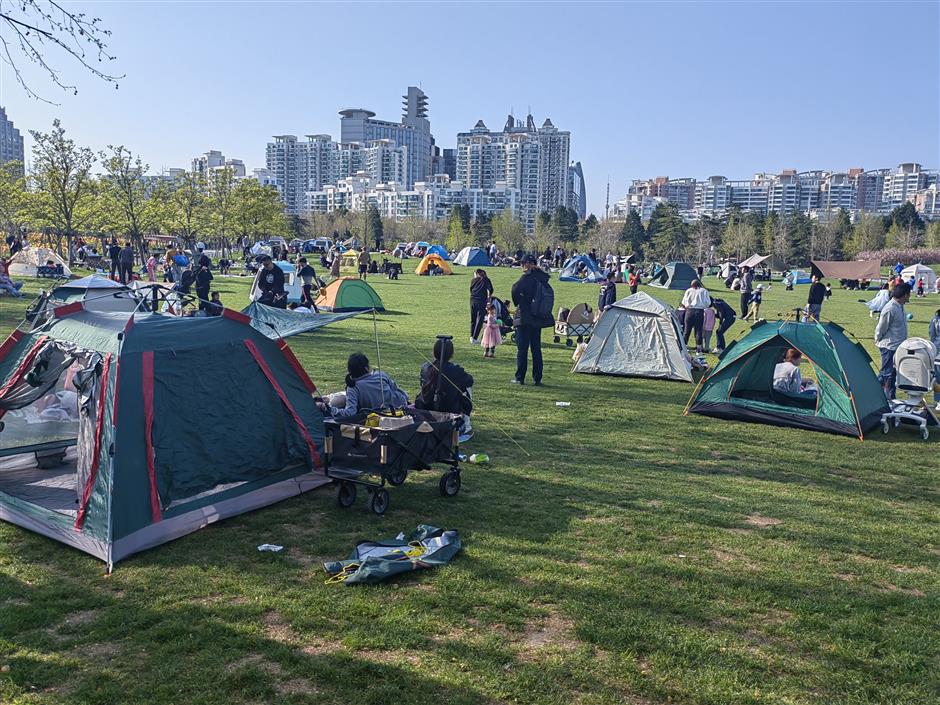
[(363, 268)]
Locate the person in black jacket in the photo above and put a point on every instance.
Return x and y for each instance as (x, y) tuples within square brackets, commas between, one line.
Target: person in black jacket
[(481, 288), (126, 263), (114, 254), (455, 383), (726, 317), (608, 294), (203, 282), (528, 327), (814, 302), (271, 284)]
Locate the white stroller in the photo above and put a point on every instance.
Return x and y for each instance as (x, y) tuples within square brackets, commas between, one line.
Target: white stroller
[(913, 362)]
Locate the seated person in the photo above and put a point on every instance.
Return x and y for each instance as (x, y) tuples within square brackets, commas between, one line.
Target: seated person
[(214, 307), (454, 397), (787, 378), (367, 390)]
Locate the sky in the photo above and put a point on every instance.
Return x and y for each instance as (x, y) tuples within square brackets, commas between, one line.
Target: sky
[(646, 89)]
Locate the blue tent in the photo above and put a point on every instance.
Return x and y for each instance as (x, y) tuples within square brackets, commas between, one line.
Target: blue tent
[(439, 250), (570, 272)]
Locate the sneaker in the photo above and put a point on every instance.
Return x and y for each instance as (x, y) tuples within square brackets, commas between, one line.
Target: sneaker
[(717, 351), (517, 381), (538, 384), (937, 407), (474, 341)]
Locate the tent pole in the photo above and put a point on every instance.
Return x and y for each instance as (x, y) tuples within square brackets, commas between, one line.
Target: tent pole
[(378, 354)]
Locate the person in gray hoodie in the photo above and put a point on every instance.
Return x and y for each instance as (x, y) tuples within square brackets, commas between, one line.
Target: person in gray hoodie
[(368, 390), (890, 332)]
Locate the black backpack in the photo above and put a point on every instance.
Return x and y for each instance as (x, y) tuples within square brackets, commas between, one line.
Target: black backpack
[(543, 305)]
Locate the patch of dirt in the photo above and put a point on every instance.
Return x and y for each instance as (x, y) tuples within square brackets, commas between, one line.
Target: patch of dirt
[(554, 631), (890, 587), (907, 570), (76, 619), (320, 647), (276, 629), (726, 557), (99, 654), (847, 577), (292, 686), (388, 657), (761, 521)]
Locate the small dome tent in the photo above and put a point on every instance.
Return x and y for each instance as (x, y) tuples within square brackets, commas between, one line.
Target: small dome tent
[(581, 268), (26, 262), (98, 453), (440, 251), (97, 293), (921, 271), (675, 275), (850, 400), (638, 336), (473, 257), (430, 259), (349, 294)]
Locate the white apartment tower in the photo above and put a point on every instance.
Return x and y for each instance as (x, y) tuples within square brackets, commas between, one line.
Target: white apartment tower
[(11, 142)]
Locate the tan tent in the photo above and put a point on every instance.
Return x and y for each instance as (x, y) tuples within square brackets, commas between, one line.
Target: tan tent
[(26, 263), (861, 269), (753, 261)]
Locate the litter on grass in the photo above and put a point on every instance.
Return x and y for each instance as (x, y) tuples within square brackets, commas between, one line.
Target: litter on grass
[(563, 403), (273, 547), (374, 561)]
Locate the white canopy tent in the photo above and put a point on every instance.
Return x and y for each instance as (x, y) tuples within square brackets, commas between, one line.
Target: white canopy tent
[(919, 271)]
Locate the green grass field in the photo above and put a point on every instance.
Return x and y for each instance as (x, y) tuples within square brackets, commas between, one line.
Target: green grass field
[(615, 552)]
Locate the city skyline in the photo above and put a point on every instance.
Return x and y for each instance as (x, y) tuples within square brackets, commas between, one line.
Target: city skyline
[(687, 89)]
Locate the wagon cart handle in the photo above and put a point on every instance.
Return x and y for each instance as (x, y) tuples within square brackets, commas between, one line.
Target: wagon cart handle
[(440, 370)]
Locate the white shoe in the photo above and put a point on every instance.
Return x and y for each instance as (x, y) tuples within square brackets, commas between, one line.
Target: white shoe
[(474, 341), (937, 407)]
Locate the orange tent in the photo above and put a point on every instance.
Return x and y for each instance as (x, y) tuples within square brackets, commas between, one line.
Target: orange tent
[(433, 259)]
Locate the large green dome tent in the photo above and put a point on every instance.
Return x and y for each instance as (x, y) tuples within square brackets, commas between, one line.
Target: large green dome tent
[(98, 452), (850, 400), (675, 275)]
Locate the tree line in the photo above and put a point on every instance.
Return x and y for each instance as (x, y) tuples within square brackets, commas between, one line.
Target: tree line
[(63, 197)]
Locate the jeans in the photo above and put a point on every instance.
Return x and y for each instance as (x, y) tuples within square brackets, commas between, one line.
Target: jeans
[(528, 337), (815, 310), (694, 320), (202, 293), (13, 288), (126, 272), (720, 331), (888, 374), (745, 301), (477, 316)]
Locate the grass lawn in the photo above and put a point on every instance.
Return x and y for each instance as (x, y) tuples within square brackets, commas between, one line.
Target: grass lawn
[(615, 552)]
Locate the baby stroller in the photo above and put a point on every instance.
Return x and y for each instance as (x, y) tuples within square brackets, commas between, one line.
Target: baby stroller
[(504, 316), (577, 323), (913, 362)]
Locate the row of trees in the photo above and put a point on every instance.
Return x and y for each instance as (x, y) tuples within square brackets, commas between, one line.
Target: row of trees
[(64, 198), (792, 238)]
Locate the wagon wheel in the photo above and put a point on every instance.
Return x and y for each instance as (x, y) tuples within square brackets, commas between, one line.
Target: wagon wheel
[(398, 477), (378, 503), (449, 484), (346, 494)]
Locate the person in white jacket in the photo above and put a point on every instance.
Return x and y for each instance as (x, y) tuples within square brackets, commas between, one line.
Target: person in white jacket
[(695, 300)]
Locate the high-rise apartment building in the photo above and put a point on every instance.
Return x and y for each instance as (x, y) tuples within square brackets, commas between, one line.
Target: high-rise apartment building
[(532, 160), (815, 193), (577, 194), (413, 132), (11, 141), (208, 160)]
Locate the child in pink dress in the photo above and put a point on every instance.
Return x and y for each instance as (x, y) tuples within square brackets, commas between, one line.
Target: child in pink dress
[(491, 335)]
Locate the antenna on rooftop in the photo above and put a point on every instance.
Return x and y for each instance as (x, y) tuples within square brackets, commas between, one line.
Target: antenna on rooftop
[(607, 203)]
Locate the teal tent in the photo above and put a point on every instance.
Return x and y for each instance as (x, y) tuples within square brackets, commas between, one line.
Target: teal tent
[(581, 268), (675, 275), (850, 400), (283, 323), (122, 432)]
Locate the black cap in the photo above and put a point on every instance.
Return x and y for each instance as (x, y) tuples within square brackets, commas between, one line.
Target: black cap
[(529, 259)]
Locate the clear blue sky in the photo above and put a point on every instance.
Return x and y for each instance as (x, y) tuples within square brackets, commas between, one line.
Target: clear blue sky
[(678, 89)]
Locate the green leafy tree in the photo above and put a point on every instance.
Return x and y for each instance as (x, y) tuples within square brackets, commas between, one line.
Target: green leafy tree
[(739, 239), (508, 232), (456, 235), (932, 235), (257, 211), (187, 207), (633, 234), (589, 226), (831, 236), (14, 198), (668, 233), (125, 187), (868, 235), (62, 180), (907, 227), (221, 201), (565, 222), (375, 230), (799, 235), (481, 230)]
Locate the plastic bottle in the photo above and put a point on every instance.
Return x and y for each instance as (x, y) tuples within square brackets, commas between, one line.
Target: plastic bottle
[(479, 458)]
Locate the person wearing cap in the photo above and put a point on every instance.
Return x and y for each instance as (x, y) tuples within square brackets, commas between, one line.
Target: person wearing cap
[(695, 300), (271, 284), (528, 327), (753, 311)]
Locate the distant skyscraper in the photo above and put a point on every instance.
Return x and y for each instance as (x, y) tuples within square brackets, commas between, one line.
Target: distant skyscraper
[(413, 132), (11, 141), (577, 195), (206, 161), (522, 156)]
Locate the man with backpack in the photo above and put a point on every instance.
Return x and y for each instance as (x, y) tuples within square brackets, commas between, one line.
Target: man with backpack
[(535, 302)]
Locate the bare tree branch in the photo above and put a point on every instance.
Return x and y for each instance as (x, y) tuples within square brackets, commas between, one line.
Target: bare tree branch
[(36, 28)]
